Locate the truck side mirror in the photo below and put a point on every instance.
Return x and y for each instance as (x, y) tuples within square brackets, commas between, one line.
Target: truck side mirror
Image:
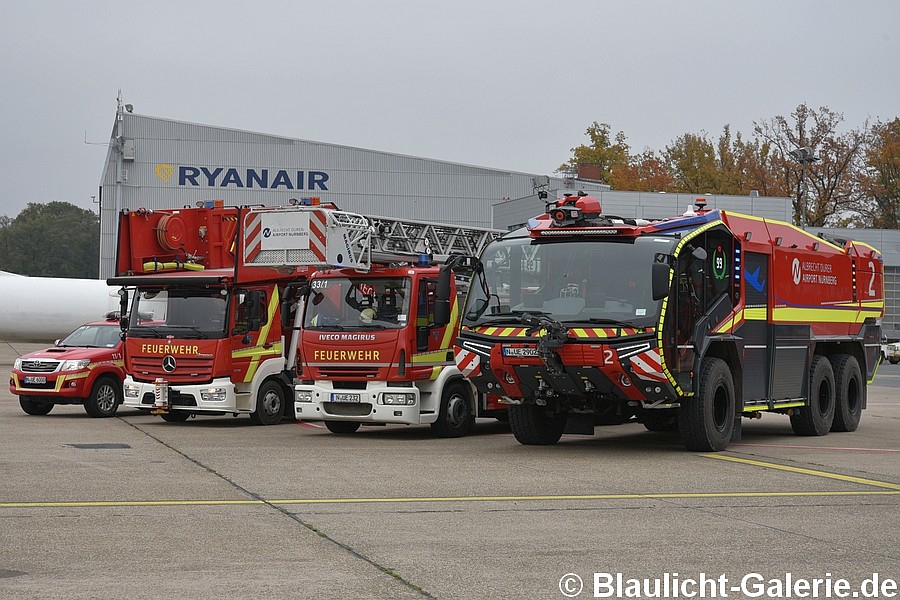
[(659, 280), (442, 297), (123, 309)]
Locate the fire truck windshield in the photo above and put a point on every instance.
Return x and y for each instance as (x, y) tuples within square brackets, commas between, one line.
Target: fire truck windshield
[(181, 313), (591, 281), (357, 302)]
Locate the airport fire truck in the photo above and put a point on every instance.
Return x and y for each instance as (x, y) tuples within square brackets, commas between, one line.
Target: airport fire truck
[(688, 324), (205, 334), (376, 347)]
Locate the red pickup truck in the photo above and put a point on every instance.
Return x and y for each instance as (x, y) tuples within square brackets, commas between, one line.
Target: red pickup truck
[(85, 368)]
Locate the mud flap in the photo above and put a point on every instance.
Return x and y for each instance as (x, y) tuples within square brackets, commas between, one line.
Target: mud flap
[(579, 424)]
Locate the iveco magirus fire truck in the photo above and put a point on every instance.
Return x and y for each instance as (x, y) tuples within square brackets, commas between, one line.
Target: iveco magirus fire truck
[(688, 323), (376, 347), (209, 340)]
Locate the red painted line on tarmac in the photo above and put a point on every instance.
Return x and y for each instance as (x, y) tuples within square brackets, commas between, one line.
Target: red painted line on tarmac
[(817, 447), (310, 425)]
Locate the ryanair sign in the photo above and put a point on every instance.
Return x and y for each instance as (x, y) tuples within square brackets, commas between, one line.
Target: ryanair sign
[(230, 177)]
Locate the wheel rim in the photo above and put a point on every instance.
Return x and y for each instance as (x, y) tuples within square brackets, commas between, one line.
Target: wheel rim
[(457, 410), (271, 403), (825, 396), (853, 400), (106, 398), (720, 408)]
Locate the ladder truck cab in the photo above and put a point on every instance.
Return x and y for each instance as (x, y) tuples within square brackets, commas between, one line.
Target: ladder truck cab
[(205, 335), (688, 324), (377, 347)]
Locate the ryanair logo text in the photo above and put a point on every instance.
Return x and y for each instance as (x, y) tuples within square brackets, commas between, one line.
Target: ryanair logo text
[(222, 177)]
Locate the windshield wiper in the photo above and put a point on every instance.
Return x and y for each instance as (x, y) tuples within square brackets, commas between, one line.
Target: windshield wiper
[(602, 321)]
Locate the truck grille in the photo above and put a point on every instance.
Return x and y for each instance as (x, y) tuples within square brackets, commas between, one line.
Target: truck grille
[(348, 409), (338, 372), (188, 369), (40, 366)]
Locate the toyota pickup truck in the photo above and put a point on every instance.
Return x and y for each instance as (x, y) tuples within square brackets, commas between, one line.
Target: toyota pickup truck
[(84, 368)]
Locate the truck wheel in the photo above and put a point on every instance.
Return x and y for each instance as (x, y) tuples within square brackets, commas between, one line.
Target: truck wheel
[(706, 421), (179, 416), (455, 417), (849, 391), (342, 426), (894, 361), (816, 418), (34, 407), (269, 404), (533, 426), (106, 395)]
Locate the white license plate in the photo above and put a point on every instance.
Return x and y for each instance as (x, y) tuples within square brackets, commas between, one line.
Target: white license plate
[(35, 379), (345, 397), (520, 352)]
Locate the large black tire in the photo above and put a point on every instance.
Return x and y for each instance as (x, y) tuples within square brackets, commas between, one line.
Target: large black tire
[(706, 421), (894, 361), (342, 426), (849, 391), (455, 417), (817, 416), (177, 416), (35, 407), (106, 395), (269, 404), (532, 425)]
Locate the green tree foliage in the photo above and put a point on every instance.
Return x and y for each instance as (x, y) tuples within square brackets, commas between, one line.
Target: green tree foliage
[(855, 181), (56, 239), (879, 181), (603, 154)]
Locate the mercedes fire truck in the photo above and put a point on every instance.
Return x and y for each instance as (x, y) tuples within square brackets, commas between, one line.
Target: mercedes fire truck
[(205, 335), (687, 323)]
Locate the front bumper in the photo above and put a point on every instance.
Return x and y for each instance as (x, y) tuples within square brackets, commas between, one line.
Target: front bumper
[(217, 396), (320, 401), (68, 385)]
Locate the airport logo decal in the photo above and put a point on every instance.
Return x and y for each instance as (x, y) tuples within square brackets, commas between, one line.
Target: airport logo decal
[(243, 178), (165, 172)]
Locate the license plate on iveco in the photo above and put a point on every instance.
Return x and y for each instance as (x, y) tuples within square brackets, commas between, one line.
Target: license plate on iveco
[(335, 397)]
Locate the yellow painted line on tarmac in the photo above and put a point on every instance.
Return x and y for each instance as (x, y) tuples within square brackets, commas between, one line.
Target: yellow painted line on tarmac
[(439, 499), (813, 472)]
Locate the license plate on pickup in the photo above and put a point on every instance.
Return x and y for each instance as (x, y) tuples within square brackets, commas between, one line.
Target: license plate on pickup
[(35, 379), (344, 397)]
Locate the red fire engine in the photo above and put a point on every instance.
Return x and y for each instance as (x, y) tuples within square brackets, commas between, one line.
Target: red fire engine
[(688, 323), (205, 335), (375, 347)]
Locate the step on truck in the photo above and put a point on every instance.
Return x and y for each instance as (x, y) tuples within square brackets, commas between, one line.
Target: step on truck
[(686, 324), (376, 347), (205, 335)]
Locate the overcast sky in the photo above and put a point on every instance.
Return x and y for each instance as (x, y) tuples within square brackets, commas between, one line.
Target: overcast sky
[(511, 84)]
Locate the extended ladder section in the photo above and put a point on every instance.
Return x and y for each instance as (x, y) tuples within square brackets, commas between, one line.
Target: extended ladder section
[(293, 236)]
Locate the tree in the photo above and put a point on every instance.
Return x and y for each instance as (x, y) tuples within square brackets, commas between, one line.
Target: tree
[(56, 239), (602, 154), (879, 180), (831, 180), (691, 160), (646, 172)]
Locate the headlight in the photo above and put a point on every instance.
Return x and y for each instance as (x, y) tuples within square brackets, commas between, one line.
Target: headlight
[(213, 395), (303, 396), (75, 365), (405, 399), (131, 391), (17, 364)]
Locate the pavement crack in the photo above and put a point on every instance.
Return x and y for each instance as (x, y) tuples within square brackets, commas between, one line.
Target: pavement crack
[(294, 517)]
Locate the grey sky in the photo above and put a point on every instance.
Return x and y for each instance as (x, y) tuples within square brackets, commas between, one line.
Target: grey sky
[(511, 84)]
